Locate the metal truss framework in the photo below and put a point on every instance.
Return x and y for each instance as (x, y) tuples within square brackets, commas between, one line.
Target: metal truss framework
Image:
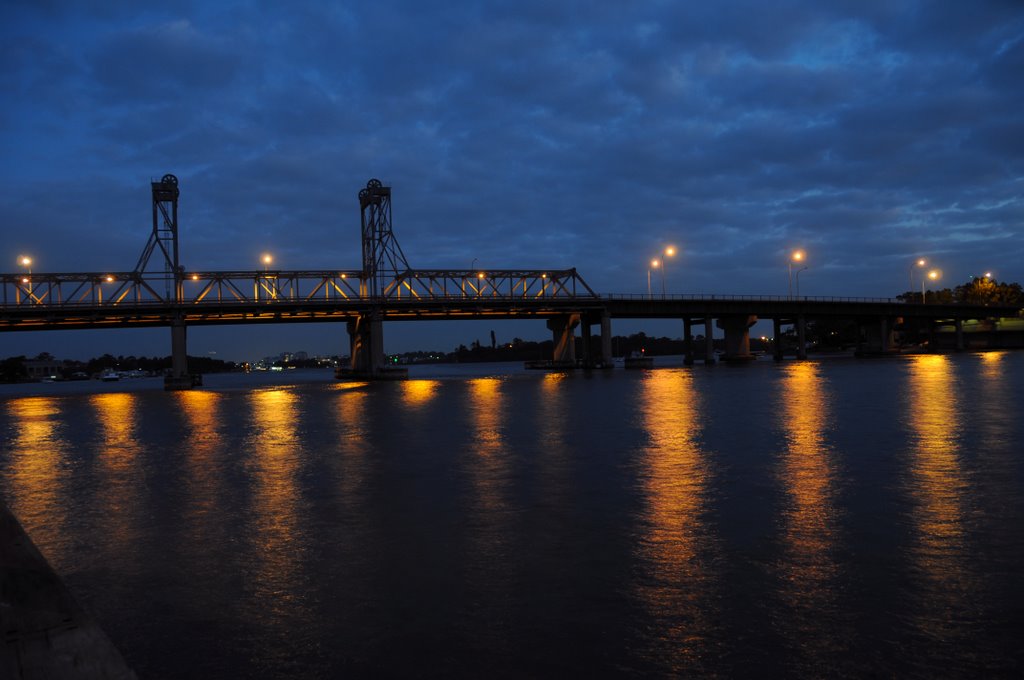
[(153, 294), (135, 289)]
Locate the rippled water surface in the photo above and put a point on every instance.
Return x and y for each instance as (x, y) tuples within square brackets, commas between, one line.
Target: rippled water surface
[(836, 518)]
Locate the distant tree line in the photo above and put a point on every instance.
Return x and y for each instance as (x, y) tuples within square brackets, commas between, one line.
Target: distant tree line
[(978, 291), (14, 369)]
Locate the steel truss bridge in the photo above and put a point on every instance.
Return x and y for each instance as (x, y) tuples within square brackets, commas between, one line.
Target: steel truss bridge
[(159, 291)]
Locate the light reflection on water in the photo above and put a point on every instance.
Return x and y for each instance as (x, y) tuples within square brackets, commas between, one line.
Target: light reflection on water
[(807, 568), (489, 554), (278, 545), (120, 474), (678, 581), (544, 523), (936, 487), (37, 472)]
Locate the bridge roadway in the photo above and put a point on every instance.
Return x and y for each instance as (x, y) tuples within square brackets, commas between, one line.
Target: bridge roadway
[(83, 301)]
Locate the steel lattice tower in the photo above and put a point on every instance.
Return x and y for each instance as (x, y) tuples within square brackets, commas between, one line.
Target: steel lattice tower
[(383, 258), (165, 231)]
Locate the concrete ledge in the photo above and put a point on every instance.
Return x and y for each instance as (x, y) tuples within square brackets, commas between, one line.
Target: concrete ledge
[(46, 634)]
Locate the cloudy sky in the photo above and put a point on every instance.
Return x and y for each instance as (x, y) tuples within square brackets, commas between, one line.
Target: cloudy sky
[(518, 135)]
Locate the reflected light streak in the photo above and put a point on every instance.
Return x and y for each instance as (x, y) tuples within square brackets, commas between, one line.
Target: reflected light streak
[(490, 555), (201, 410), (486, 417), (808, 568), (123, 482), (352, 407), (36, 484), (274, 444), (417, 393), (675, 543), (553, 472), (117, 415), (937, 488)]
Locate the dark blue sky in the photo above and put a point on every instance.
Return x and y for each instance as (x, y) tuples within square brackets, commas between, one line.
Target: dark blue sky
[(517, 134)]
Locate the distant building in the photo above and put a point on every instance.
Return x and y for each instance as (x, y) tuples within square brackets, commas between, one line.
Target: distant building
[(42, 368)]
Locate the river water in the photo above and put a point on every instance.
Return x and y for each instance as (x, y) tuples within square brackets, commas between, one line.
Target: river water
[(839, 518)]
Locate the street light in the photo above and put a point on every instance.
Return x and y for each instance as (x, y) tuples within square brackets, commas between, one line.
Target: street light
[(798, 280), (934, 276), (669, 252), (920, 262), (266, 259), (654, 265), (798, 257)]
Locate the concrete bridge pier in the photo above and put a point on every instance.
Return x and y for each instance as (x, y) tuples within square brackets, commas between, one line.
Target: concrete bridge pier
[(709, 342), (606, 341), (877, 336), (563, 334), (180, 378), (959, 325), (687, 341), (801, 337), (604, 356), (737, 336), (366, 349)]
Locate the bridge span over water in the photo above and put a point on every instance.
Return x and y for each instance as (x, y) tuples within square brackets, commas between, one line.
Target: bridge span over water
[(160, 291)]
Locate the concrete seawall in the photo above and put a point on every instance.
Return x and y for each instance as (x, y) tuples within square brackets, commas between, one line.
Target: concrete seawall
[(46, 634)]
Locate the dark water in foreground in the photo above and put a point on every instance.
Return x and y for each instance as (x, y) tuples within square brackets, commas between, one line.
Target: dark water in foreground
[(839, 518)]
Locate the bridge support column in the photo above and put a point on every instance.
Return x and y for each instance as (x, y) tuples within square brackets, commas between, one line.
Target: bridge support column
[(366, 348), (607, 361), (876, 337), (180, 379), (563, 333), (709, 342), (959, 335), (687, 342), (585, 337), (801, 337), (777, 339), (737, 336)]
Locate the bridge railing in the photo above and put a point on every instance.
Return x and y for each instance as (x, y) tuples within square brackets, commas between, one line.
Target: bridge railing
[(124, 289), (750, 298)]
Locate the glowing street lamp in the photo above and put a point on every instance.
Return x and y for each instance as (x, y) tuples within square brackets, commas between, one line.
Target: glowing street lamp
[(669, 252), (26, 261), (933, 275), (654, 265), (919, 263), (266, 259), (798, 257)]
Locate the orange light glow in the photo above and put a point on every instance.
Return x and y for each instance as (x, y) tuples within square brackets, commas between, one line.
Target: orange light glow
[(798, 256)]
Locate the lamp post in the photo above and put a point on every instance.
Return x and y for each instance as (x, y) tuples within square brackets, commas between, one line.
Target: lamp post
[(798, 280), (933, 275), (798, 257), (654, 265), (669, 252), (920, 262), (266, 260)]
